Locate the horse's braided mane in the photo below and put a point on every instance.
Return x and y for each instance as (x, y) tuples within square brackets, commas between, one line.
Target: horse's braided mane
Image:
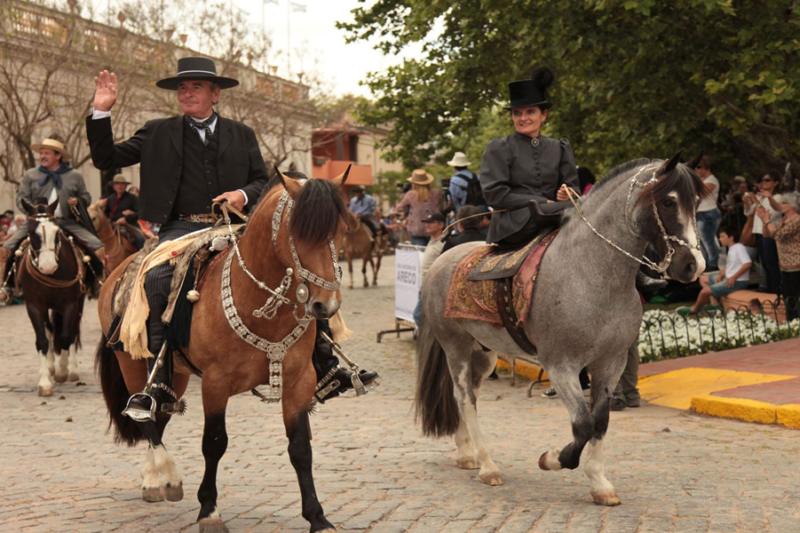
[(618, 171)]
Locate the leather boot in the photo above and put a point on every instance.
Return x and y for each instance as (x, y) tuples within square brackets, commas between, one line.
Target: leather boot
[(645, 283), (161, 390), (332, 379), (5, 293)]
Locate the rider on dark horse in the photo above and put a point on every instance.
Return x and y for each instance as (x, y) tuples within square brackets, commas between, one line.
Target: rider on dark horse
[(122, 209), (53, 180), (363, 206), (188, 163), (526, 174)]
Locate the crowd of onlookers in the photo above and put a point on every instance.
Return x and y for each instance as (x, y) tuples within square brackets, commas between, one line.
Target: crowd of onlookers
[(9, 223)]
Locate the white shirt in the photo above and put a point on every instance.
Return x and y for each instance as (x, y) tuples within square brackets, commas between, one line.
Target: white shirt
[(53, 197), (432, 252), (737, 258), (774, 214), (97, 115), (709, 203)]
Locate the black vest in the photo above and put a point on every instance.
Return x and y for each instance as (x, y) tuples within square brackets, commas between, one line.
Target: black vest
[(200, 180)]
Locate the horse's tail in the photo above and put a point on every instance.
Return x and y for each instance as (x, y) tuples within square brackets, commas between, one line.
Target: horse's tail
[(435, 403), (116, 395)]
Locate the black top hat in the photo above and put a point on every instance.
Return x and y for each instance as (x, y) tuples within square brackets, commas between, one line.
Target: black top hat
[(196, 68), (527, 93)]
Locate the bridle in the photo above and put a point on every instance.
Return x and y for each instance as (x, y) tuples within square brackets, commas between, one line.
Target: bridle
[(40, 218), (275, 351), (32, 262), (662, 267)]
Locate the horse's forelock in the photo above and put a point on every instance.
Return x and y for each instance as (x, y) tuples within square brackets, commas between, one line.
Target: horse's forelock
[(317, 212), (684, 182)]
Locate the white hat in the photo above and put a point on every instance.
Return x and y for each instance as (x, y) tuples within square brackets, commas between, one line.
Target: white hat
[(459, 160)]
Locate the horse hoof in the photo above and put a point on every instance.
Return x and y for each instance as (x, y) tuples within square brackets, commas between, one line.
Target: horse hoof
[(212, 525), (74, 377), (174, 493), (60, 378), (467, 464), (152, 495), (492, 479), (608, 498), (44, 391), (546, 463)]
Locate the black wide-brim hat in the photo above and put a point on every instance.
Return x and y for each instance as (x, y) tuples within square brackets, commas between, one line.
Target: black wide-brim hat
[(196, 68), (526, 93)]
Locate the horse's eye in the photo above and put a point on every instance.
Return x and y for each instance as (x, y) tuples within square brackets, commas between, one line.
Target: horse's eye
[(669, 203)]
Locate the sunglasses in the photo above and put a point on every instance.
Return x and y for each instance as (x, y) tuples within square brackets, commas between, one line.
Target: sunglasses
[(770, 180)]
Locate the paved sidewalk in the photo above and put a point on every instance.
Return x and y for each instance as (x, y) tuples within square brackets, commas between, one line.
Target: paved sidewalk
[(758, 383), (675, 471)]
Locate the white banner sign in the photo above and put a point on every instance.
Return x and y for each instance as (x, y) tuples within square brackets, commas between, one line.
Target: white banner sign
[(408, 281)]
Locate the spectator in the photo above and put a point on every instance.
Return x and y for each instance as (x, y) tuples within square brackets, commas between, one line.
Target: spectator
[(469, 229), (586, 180), (459, 183), (6, 219), (627, 392), (733, 277), (786, 233), (134, 191), (434, 226), (422, 202), (18, 222), (708, 214), (3, 236), (768, 197)]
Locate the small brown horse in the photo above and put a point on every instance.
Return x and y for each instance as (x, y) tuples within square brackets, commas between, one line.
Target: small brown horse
[(117, 247), (358, 243), (50, 272), (298, 226)]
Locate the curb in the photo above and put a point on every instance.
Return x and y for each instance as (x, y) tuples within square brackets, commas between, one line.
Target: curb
[(747, 410)]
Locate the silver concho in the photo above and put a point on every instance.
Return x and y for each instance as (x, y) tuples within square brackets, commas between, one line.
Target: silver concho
[(302, 293), (219, 243)]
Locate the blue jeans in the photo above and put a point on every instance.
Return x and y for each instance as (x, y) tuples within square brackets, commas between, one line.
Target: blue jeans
[(707, 226), (768, 258)]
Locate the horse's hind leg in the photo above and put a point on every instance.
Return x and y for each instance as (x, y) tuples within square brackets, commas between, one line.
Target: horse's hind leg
[(569, 390), (350, 269), (366, 259), (604, 381), (467, 375), (376, 268)]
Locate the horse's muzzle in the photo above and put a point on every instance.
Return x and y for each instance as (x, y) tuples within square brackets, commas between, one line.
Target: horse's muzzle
[(323, 310)]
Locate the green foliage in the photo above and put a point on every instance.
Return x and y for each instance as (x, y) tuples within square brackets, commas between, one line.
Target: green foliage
[(633, 77), (385, 186)]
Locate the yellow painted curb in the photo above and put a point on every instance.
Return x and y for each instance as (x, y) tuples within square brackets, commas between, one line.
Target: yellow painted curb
[(524, 369), (789, 415), (738, 408), (677, 388)]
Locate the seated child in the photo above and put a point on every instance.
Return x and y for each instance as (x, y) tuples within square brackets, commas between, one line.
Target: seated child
[(734, 277)]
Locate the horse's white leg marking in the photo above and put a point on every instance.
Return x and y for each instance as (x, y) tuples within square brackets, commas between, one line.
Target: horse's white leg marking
[(151, 491), (45, 387), (62, 371), (74, 372), (51, 360), (602, 490), (169, 477), (549, 460), (466, 452), (489, 473)]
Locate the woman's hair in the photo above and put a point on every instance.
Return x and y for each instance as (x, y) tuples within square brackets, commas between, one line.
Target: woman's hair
[(793, 199), (422, 192), (778, 184)]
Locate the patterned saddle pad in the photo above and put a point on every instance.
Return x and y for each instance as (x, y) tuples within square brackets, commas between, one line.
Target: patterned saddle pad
[(473, 290)]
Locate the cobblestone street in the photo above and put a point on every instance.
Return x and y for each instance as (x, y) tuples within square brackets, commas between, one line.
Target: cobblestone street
[(675, 472)]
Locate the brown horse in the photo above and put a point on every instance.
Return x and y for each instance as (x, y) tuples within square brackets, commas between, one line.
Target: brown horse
[(357, 243), (50, 272), (291, 238), (117, 247)]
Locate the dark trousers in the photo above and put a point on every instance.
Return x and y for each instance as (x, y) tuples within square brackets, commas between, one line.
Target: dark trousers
[(768, 258), (158, 282), (791, 294)]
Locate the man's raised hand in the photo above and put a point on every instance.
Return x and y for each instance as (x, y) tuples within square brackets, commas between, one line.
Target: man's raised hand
[(106, 91)]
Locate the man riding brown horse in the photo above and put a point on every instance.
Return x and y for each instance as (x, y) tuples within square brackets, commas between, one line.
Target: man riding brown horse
[(187, 163)]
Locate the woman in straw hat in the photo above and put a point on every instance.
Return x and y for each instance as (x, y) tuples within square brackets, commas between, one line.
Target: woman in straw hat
[(421, 202), (526, 166)]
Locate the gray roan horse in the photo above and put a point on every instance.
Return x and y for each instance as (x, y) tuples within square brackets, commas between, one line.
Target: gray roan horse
[(586, 312)]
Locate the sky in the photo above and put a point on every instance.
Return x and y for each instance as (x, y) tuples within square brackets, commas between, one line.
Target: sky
[(314, 30)]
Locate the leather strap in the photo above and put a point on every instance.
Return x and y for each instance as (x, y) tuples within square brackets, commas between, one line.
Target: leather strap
[(505, 307)]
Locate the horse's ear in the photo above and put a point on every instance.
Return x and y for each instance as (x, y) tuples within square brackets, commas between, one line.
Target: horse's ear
[(51, 209), (340, 180), (670, 164), (31, 210), (696, 160), (291, 186)]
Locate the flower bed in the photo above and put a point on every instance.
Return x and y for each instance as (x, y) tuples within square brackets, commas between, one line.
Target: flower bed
[(665, 335)]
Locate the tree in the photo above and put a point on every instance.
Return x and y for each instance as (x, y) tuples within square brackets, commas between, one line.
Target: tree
[(634, 77)]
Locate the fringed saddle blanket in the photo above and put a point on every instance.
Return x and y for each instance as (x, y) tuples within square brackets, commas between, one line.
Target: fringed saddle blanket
[(477, 300)]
